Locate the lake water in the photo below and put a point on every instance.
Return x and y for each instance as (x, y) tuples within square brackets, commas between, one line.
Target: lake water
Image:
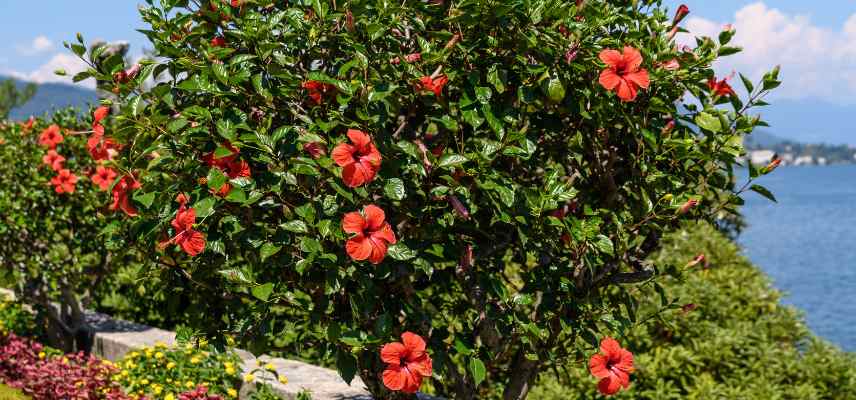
[(806, 243)]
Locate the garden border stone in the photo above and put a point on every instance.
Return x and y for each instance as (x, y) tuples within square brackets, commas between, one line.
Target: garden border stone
[(114, 338)]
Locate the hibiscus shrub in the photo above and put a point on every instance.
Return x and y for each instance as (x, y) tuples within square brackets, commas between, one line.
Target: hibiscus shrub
[(55, 223), (483, 180)]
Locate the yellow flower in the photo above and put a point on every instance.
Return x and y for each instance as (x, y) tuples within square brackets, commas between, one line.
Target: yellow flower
[(249, 378), (232, 392), (160, 345), (42, 355), (144, 382), (195, 360), (189, 384), (270, 367), (170, 365), (230, 371), (157, 390), (125, 373), (169, 396), (158, 355), (283, 380)]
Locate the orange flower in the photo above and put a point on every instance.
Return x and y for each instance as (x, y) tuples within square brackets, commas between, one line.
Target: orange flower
[(435, 85), (623, 73), (64, 181), (613, 367), (360, 161), (51, 137), (54, 160), (103, 177), (26, 126), (407, 363), (372, 234)]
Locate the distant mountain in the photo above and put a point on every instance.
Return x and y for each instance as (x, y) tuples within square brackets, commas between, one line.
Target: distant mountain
[(811, 121), (50, 96), (762, 139)]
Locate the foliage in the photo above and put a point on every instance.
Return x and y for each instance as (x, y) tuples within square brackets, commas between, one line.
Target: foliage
[(12, 96), (518, 193), (159, 372), (731, 339), (15, 319)]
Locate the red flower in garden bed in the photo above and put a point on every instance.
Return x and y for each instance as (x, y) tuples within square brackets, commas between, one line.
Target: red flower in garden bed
[(230, 165), (613, 367), (407, 363), (64, 181), (54, 160), (360, 161), (103, 177), (51, 137), (623, 73), (372, 234)]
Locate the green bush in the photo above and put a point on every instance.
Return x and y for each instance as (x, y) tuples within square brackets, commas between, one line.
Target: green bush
[(730, 338), (15, 319), (489, 175)]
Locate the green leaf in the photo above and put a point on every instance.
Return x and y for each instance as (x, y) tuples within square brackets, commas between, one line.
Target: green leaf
[(347, 365), (708, 122), (262, 292), (497, 77), (235, 276), (236, 195), (604, 245), (764, 192), (296, 226), (401, 252), (450, 160), (205, 207), (478, 370), (394, 189), (145, 199), (216, 179), (269, 249)]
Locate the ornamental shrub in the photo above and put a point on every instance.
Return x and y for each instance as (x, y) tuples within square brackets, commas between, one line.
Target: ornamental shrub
[(730, 337), (481, 180)]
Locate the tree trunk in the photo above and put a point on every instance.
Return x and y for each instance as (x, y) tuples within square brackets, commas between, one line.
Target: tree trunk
[(525, 372)]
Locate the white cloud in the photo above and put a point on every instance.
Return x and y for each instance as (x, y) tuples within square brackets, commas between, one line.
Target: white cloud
[(46, 72), (39, 45), (817, 62)]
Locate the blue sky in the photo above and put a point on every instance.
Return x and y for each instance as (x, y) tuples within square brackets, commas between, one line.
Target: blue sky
[(814, 41)]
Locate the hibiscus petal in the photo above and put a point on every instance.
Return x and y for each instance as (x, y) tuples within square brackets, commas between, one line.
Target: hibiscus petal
[(392, 353), (353, 222), (394, 377), (372, 156), (610, 348), (611, 57), (620, 376), (375, 217), (343, 154), (379, 249), (421, 366), (414, 343), (640, 78), (359, 247), (626, 363), (385, 233), (608, 386), (597, 366), (412, 382), (354, 175), (609, 79), (192, 242), (626, 91), (359, 138), (632, 58)]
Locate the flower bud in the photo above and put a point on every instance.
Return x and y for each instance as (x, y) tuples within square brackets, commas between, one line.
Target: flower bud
[(315, 149), (686, 207), (680, 14), (458, 206), (771, 166), (696, 261), (467, 259)]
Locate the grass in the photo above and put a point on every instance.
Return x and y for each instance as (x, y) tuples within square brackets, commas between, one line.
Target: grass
[(7, 393)]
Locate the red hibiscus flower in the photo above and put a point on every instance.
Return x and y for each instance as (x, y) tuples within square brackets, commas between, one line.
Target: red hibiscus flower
[(407, 363), (623, 73), (99, 114), (101, 147), (360, 161), (122, 195), (317, 90), (720, 88), (613, 367), (230, 165), (54, 160), (64, 181), (427, 83), (26, 126), (212, 160), (50, 137), (236, 3), (218, 41), (103, 177), (190, 240), (372, 234)]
